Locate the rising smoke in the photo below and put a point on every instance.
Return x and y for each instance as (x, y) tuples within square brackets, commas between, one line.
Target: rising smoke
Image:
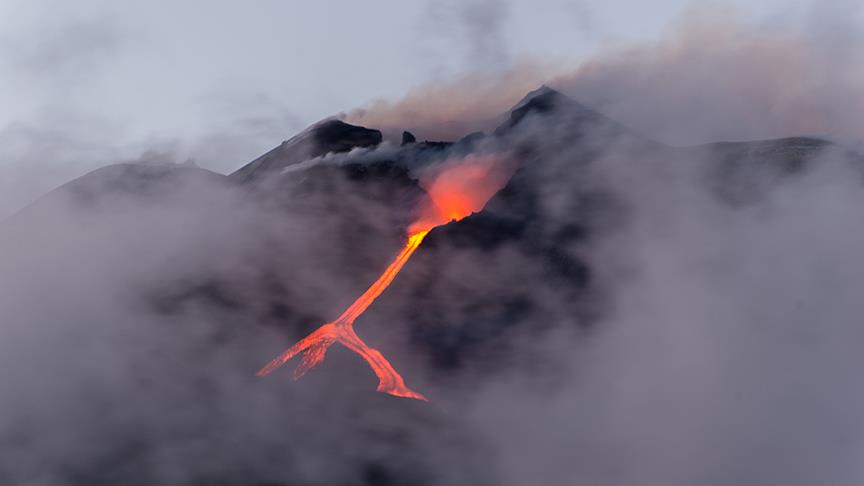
[(732, 79), (725, 351)]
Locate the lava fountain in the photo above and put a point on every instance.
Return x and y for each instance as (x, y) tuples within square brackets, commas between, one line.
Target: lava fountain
[(456, 189)]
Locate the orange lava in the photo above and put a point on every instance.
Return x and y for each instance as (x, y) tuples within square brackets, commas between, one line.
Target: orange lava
[(314, 346), (456, 190), (460, 188)]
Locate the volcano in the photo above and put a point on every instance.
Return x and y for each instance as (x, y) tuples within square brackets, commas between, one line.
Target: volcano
[(195, 279)]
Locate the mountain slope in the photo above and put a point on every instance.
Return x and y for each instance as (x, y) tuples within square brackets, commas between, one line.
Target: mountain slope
[(328, 136)]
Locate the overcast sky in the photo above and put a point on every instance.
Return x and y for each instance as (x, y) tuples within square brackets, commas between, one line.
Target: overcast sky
[(162, 68), (83, 83)]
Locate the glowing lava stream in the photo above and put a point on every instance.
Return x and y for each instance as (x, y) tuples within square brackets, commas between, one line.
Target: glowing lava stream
[(314, 346), (455, 192)]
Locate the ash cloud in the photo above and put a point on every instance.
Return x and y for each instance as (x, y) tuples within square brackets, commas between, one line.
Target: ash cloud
[(730, 77), (742, 80), (484, 25), (450, 109)]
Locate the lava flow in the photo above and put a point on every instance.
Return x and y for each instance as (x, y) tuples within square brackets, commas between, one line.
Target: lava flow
[(456, 190)]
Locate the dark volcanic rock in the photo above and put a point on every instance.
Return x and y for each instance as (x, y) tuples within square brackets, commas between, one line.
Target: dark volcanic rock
[(471, 139), (382, 189), (408, 138), (325, 137), (434, 145)]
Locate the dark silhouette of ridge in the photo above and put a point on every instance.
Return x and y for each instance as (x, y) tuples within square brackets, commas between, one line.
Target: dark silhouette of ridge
[(329, 136)]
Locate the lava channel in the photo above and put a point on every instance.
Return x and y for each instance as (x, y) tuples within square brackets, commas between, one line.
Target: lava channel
[(457, 190)]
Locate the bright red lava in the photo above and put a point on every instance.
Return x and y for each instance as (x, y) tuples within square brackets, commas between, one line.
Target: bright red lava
[(456, 191)]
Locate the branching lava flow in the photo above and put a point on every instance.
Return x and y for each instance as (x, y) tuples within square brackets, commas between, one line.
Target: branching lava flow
[(455, 192)]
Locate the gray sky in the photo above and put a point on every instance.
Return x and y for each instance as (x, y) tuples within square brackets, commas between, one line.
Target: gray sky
[(90, 82), (167, 69)]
